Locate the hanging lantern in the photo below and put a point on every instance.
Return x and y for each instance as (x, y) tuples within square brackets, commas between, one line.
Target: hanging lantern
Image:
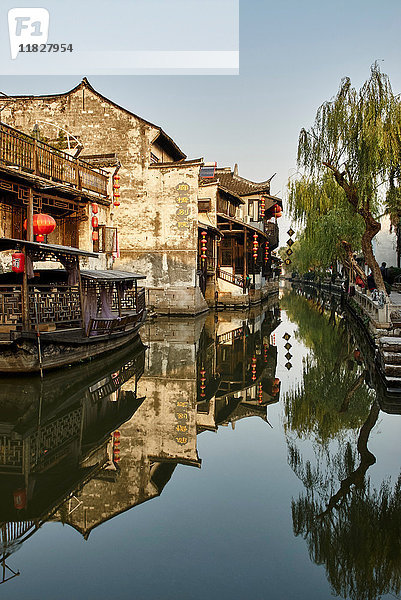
[(277, 211), (267, 252), (116, 191), (40, 238), (95, 222), (255, 246), (262, 207), (116, 435), (19, 499), (18, 262), (260, 393), (95, 236), (42, 224), (95, 208), (202, 382), (253, 368), (203, 245)]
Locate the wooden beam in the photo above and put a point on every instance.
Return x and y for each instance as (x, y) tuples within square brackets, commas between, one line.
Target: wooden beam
[(29, 216)]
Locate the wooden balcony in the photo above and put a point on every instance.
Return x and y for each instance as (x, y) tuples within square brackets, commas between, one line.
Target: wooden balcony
[(37, 158)]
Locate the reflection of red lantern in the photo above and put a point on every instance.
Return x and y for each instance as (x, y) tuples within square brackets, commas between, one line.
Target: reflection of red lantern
[(18, 262), (202, 382), (253, 368), (42, 224), (40, 238), (19, 499), (95, 208)]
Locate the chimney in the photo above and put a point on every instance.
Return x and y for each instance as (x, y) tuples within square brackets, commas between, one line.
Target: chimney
[(236, 169)]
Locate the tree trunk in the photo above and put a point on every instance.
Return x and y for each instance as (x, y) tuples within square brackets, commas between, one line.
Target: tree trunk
[(372, 227)]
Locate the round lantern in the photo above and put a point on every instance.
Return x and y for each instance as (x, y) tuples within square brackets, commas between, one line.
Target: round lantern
[(95, 208), (255, 246), (18, 262), (95, 236), (277, 211), (42, 224), (95, 222), (202, 382), (262, 207), (203, 245), (117, 435), (116, 203)]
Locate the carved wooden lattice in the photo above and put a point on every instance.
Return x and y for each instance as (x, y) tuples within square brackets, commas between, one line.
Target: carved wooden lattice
[(10, 305), (11, 454), (54, 305), (49, 443)]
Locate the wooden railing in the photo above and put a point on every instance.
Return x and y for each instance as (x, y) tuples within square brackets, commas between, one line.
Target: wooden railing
[(38, 158), (237, 280), (229, 336), (54, 304)]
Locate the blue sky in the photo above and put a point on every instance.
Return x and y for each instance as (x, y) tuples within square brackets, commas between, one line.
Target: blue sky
[(292, 57)]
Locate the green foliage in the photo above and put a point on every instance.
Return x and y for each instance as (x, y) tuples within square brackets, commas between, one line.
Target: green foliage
[(348, 156), (317, 408)]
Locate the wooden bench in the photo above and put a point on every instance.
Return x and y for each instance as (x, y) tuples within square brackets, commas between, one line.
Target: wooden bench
[(102, 326)]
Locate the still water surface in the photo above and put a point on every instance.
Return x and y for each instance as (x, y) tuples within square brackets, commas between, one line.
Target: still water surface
[(235, 455)]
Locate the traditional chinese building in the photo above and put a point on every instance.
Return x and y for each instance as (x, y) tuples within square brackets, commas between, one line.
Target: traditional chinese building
[(167, 216)]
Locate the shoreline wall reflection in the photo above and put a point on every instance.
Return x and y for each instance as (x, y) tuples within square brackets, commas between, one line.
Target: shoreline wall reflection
[(350, 525)]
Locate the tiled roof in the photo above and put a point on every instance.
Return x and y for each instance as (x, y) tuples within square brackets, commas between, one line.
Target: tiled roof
[(239, 185)]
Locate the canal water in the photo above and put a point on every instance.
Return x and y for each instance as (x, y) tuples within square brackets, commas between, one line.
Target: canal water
[(239, 454)]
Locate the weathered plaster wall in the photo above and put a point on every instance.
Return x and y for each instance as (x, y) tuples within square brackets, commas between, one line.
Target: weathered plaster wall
[(151, 239)]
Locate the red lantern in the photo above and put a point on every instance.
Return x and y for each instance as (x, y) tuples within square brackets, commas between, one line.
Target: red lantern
[(203, 245), (260, 393), (95, 236), (19, 499), (40, 238), (95, 208), (117, 435), (277, 211), (267, 252), (42, 224), (202, 382), (255, 246), (18, 262), (95, 222), (117, 203), (262, 207)]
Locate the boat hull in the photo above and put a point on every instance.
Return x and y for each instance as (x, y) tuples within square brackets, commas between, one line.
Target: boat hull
[(22, 355)]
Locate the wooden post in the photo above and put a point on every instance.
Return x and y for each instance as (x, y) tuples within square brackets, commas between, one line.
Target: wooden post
[(29, 217), (245, 257), (118, 286), (81, 295), (25, 297)]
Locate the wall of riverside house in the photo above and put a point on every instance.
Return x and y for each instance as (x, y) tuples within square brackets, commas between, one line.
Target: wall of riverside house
[(151, 240)]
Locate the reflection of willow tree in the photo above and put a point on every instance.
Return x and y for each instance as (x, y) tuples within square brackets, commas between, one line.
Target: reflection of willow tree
[(331, 397), (350, 528)]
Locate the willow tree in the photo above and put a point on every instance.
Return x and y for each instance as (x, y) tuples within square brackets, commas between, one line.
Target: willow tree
[(356, 139)]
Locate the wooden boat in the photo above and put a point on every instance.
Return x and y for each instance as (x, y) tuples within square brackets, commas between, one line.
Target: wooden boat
[(53, 317)]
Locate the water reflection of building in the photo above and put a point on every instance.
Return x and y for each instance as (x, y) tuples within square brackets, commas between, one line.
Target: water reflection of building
[(85, 446), (236, 367), (56, 435)]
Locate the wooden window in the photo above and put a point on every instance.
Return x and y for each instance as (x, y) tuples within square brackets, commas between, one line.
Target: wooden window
[(153, 158), (204, 205)]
